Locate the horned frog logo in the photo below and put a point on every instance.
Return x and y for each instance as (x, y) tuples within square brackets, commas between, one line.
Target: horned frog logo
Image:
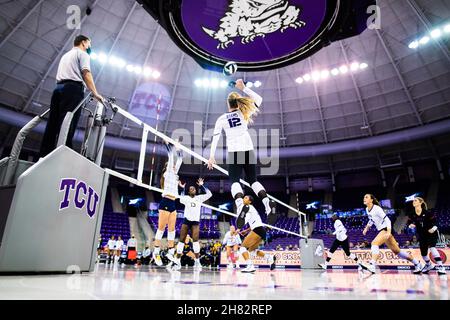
[(254, 18)]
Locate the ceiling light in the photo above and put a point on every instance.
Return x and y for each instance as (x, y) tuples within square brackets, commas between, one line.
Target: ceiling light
[(224, 84), (343, 69), (363, 66), (198, 83), (102, 58), (335, 71), (436, 33), (354, 66), (447, 28), (316, 75), (137, 70), (258, 84), (130, 68), (249, 84), (307, 77), (424, 40), (299, 80), (156, 74), (94, 56), (214, 83), (325, 74), (413, 45)]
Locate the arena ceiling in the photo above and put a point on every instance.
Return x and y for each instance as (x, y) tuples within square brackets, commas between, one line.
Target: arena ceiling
[(400, 89)]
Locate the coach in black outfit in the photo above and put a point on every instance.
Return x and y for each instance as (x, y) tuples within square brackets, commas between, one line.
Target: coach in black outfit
[(73, 69)]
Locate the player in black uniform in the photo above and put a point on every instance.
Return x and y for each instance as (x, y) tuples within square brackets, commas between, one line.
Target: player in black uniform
[(426, 230)]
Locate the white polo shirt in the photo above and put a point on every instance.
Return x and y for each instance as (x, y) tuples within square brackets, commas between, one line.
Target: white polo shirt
[(72, 64)]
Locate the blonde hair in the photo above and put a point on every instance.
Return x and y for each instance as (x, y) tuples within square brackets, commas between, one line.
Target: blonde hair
[(422, 202), (245, 104)]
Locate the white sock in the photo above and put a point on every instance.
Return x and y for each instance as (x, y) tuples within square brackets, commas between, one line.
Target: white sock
[(172, 251), (157, 250), (415, 261)]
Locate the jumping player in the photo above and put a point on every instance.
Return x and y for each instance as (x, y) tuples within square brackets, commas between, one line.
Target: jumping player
[(167, 207), (231, 242), (256, 234), (340, 241), (191, 222), (382, 222), (241, 155), (425, 224)]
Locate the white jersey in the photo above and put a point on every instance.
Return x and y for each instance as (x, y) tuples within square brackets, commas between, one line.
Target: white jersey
[(192, 206), (378, 217), (119, 245), (253, 218), (111, 244), (171, 178), (339, 230), (231, 240), (235, 127)]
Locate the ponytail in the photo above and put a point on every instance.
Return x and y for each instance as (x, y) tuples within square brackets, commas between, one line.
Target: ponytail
[(161, 181), (245, 104)]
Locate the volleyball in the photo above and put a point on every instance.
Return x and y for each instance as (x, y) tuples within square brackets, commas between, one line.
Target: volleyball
[(230, 68)]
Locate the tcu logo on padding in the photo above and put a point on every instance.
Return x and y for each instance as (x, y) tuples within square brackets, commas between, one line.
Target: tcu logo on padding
[(84, 196)]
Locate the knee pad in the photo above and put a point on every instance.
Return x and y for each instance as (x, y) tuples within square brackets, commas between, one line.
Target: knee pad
[(259, 190), (375, 249), (159, 234), (236, 190), (242, 250), (180, 247), (196, 247), (171, 235)]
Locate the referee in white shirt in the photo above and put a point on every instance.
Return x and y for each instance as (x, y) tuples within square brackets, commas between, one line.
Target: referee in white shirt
[(73, 69)]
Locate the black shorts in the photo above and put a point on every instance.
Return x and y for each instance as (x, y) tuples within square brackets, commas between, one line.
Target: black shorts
[(260, 231), (167, 204), (427, 241), (242, 161), (190, 223), (344, 244)]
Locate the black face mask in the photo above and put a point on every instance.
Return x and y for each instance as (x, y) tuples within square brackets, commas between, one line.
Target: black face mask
[(88, 51)]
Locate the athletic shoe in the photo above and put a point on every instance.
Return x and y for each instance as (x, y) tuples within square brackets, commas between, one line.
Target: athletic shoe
[(249, 269), (360, 267), (427, 268), (323, 266), (441, 270), (274, 263), (198, 266), (371, 268), (230, 266), (418, 268), (176, 267), (236, 266)]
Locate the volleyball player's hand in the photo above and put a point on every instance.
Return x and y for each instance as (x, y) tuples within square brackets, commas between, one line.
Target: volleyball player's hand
[(240, 84), (200, 182), (181, 184), (364, 231), (211, 163)]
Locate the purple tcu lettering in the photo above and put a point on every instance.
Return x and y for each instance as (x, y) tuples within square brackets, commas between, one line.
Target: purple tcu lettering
[(80, 204), (90, 211), (81, 191), (66, 185)]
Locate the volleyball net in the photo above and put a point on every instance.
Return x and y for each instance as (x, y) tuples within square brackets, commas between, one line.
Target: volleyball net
[(289, 228)]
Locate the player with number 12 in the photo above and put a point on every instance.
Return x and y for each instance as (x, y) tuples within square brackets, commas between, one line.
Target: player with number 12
[(241, 155)]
